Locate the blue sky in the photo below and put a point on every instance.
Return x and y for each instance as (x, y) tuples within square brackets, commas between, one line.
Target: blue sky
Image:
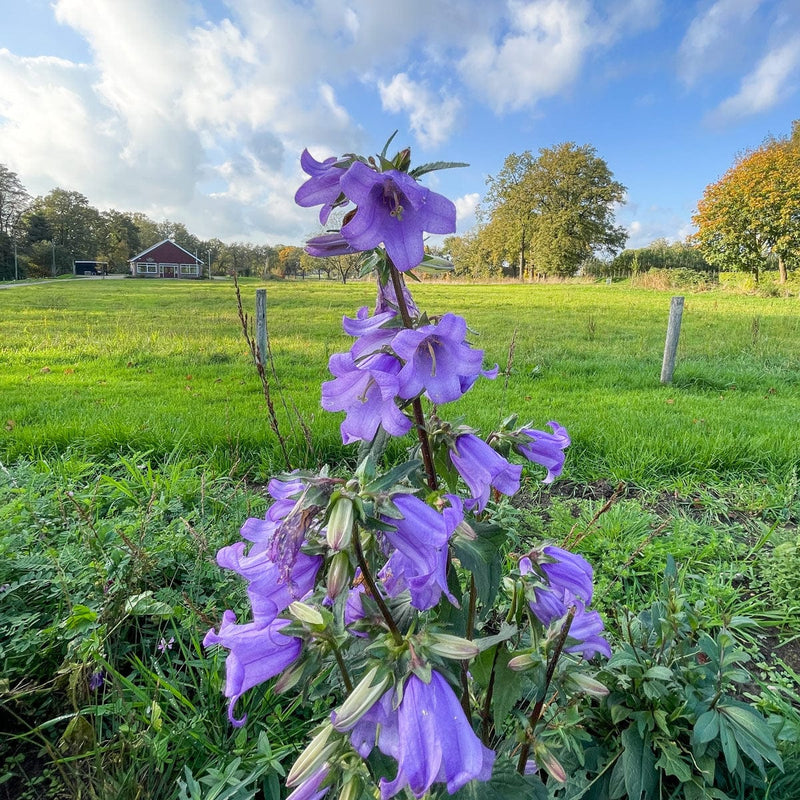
[(197, 111)]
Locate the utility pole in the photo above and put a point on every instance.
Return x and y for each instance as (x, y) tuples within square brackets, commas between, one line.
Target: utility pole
[(16, 265)]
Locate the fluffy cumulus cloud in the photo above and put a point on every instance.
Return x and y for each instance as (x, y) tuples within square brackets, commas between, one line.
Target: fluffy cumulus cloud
[(432, 117)]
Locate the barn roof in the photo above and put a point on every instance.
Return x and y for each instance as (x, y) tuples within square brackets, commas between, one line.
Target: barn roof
[(166, 252)]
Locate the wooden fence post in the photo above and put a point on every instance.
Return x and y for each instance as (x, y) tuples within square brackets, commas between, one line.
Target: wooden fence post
[(671, 344), (261, 327)]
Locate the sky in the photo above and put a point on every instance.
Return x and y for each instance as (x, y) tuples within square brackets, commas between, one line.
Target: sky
[(197, 110)]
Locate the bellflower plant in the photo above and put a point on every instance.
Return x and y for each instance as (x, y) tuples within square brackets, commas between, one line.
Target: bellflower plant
[(383, 587)]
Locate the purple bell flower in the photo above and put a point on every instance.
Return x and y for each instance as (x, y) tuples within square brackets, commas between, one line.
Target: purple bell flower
[(327, 245), (258, 652), (437, 360), (482, 467), (394, 209), (323, 185), (546, 449), (428, 735), (551, 607), (419, 562), (367, 394)]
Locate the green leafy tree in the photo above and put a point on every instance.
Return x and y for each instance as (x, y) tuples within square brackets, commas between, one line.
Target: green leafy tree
[(120, 239), (14, 200), (551, 213)]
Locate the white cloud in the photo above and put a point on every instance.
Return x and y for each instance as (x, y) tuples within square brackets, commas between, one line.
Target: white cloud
[(432, 117), (713, 36), (466, 205), (767, 85)]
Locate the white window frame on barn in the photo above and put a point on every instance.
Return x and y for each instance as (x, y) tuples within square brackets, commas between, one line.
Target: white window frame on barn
[(147, 269), (189, 269)]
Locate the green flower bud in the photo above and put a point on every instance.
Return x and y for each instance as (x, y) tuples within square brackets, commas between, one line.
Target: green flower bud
[(306, 613), (340, 524), (352, 789), (318, 751), (522, 662), (589, 685), (447, 646), (547, 760), (339, 574), (289, 677), (362, 698)]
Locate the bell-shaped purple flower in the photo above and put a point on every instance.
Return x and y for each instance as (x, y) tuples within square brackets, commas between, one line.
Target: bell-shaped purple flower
[(551, 607), (428, 735), (367, 394), (482, 467), (322, 188), (394, 209), (269, 594), (258, 652), (419, 562), (438, 361), (375, 335), (309, 788), (545, 448)]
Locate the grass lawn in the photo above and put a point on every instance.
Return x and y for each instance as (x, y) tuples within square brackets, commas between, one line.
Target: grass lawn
[(116, 366)]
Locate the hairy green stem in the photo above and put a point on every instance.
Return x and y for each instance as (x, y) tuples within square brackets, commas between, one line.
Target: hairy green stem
[(536, 713), (376, 595)]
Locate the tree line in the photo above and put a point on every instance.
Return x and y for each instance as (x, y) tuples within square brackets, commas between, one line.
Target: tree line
[(42, 236), (550, 214)]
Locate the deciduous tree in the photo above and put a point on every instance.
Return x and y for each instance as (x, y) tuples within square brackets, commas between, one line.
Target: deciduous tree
[(550, 213), (753, 212)]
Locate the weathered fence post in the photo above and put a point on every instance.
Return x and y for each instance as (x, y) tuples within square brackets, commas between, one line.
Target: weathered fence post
[(261, 327), (671, 344)]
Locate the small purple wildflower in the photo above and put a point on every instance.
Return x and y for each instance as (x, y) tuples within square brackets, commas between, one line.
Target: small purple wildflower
[(96, 680), (166, 645)]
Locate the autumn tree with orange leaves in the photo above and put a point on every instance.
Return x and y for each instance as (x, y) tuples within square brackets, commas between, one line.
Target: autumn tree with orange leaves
[(752, 213)]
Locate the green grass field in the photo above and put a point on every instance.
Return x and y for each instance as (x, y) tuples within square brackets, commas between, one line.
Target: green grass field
[(118, 366), (134, 441)]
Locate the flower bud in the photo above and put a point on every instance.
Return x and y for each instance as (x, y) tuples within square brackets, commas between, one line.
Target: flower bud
[(547, 760), (522, 662), (447, 646), (289, 677), (339, 574), (305, 613), (317, 752), (589, 685), (352, 789), (361, 699), (340, 524)]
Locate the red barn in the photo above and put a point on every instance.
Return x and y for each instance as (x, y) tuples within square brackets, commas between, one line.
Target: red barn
[(166, 260)]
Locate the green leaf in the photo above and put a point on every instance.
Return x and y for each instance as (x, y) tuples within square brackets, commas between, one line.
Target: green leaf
[(145, 604), (707, 727), (673, 763), (506, 784), (639, 764), (729, 748), (659, 673), (507, 687), (395, 475), (432, 166), (483, 558)]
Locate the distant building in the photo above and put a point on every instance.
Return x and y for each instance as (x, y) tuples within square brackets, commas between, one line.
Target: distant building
[(166, 260), (90, 267)]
